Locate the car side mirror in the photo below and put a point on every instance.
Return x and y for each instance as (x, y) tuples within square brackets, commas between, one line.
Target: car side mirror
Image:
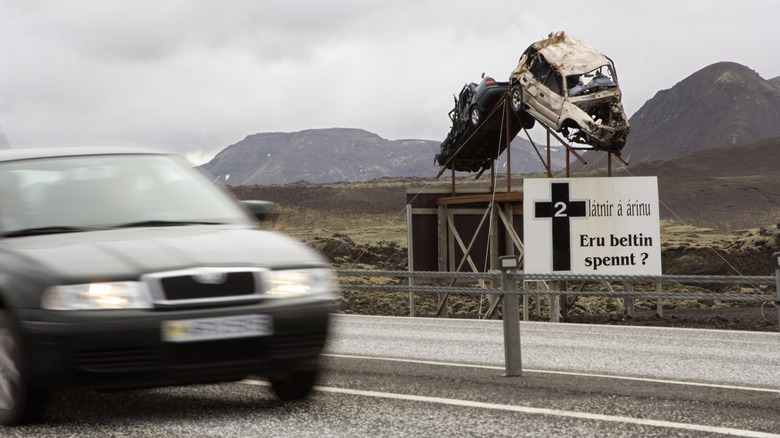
[(262, 210)]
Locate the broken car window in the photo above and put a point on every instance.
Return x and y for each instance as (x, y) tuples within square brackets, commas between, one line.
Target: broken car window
[(546, 74), (599, 79), (553, 82)]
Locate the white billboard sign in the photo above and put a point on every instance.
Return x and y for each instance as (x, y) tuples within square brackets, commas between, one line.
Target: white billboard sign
[(607, 226)]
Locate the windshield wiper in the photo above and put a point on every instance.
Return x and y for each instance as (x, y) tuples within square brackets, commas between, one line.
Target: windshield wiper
[(162, 223), (58, 229)]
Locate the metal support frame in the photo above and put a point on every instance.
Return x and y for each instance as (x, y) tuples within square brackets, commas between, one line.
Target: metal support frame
[(776, 262), (410, 252), (497, 210), (450, 238)]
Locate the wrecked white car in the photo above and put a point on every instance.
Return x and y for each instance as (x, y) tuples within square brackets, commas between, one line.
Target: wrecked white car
[(572, 88)]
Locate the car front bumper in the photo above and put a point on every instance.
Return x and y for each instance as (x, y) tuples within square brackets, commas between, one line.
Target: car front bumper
[(126, 349)]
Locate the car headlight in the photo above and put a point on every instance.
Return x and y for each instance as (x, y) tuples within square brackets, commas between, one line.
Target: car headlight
[(299, 282), (97, 296)]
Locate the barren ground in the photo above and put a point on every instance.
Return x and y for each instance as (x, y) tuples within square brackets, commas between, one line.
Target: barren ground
[(363, 226)]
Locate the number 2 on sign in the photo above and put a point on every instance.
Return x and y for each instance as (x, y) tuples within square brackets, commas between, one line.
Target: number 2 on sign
[(561, 209)]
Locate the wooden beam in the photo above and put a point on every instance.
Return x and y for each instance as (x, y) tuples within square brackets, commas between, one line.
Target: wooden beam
[(488, 197)]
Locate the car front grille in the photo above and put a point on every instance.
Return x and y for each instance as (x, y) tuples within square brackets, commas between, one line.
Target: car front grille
[(185, 287), (213, 352), (274, 348), (205, 284), (118, 359)]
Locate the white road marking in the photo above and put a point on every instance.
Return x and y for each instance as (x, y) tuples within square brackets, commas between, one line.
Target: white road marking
[(539, 411), (567, 373)]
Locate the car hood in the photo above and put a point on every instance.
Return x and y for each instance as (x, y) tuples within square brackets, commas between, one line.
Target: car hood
[(125, 254), (570, 55)]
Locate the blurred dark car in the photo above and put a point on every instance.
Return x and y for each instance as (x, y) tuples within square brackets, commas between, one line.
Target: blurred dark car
[(571, 88), (128, 268)]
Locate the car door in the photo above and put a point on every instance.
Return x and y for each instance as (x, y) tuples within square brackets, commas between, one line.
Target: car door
[(544, 91)]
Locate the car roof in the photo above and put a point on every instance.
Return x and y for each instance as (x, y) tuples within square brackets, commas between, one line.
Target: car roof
[(569, 54), (15, 154)]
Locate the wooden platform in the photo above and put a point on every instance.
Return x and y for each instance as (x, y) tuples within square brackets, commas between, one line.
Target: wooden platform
[(511, 197)]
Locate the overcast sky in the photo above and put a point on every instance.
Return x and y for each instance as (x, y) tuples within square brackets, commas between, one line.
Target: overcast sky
[(195, 76)]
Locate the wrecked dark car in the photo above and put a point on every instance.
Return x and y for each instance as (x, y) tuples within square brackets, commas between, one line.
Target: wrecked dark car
[(571, 88), (477, 99), (472, 105)]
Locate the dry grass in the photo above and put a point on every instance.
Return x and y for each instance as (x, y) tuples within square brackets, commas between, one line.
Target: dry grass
[(305, 224)]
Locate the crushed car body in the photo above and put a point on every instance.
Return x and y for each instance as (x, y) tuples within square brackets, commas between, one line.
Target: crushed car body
[(571, 88), (472, 107)]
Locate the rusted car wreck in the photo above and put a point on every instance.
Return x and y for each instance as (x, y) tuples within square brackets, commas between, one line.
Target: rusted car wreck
[(572, 88), (561, 82)]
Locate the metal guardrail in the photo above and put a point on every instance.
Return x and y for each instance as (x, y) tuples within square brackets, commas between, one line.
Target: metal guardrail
[(509, 279), (521, 277)]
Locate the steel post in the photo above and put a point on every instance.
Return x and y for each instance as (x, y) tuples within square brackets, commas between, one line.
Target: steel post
[(776, 262), (511, 317)]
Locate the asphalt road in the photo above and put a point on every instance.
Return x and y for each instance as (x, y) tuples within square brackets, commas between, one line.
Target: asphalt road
[(429, 377)]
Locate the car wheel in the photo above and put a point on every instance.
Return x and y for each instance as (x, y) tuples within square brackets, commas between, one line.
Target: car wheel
[(476, 116), (517, 98), (19, 402), (294, 386)]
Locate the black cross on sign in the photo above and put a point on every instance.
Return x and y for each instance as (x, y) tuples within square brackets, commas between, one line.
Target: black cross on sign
[(560, 209)]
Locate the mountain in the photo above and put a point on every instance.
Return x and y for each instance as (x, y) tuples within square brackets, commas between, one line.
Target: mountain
[(723, 104), (319, 156), (729, 187), (339, 154), (720, 105), (725, 188)]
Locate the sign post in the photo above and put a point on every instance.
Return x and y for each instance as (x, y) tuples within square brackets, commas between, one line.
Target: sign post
[(510, 302)]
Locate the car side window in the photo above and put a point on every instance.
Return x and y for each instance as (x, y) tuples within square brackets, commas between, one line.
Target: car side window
[(546, 74), (554, 82), (537, 68)]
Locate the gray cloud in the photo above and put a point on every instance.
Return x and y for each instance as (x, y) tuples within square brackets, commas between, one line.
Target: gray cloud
[(195, 76)]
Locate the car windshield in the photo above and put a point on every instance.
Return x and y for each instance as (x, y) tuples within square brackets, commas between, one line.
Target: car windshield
[(595, 80), (65, 194)]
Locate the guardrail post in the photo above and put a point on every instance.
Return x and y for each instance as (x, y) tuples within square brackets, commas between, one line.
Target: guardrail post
[(555, 301), (511, 317), (776, 262), (628, 302)]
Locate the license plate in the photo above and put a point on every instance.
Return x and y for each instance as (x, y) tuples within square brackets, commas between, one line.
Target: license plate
[(223, 327)]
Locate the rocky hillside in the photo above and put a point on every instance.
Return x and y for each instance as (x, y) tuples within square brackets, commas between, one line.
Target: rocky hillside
[(723, 104), (726, 188), (730, 187), (319, 156), (334, 155), (720, 105)]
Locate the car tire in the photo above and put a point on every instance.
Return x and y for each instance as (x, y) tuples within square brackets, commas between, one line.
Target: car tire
[(20, 402), (517, 99), (294, 386), (475, 116)]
